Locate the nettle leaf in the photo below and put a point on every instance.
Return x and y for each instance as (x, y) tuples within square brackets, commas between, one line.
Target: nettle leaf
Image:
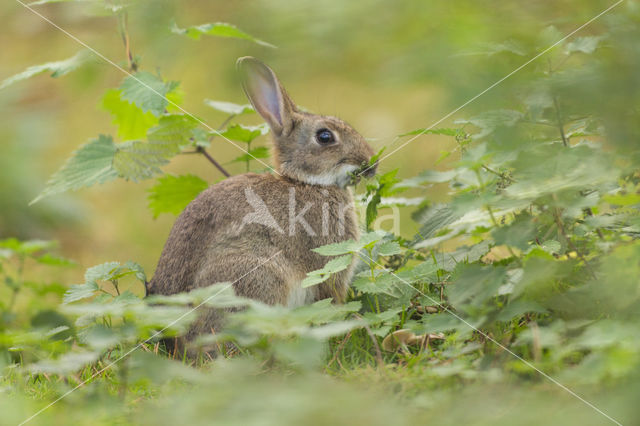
[(217, 29), (171, 194), (147, 92), (516, 234), (241, 133), (426, 131), (587, 44), (136, 160), (51, 260), (390, 248), (91, 164), (382, 187), (350, 246), (491, 120), (334, 265), (132, 122), (229, 107), (259, 152), (57, 69)]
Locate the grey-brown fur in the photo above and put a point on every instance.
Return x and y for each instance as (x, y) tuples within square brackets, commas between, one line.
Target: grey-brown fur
[(210, 243)]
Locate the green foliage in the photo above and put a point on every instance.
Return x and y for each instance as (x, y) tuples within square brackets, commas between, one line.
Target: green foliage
[(531, 250), (229, 107), (91, 164), (56, 69), (171, 194), (132, 122), (217, 29), (147, 92)]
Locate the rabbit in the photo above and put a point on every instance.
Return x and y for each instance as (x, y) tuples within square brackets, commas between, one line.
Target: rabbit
[(257, 231)]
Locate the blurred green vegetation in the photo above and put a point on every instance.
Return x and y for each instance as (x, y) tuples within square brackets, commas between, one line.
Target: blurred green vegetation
[(526, 225)]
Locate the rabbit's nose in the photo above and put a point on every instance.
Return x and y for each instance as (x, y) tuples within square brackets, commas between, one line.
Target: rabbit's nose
[(371, 170)]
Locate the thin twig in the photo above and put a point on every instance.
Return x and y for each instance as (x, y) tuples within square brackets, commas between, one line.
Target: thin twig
[(123, 22), (201, 150)]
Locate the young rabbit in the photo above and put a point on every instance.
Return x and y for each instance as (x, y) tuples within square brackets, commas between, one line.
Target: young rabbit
[(257, 230)]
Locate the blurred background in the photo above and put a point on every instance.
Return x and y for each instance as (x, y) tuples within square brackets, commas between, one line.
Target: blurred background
[(385, 67)]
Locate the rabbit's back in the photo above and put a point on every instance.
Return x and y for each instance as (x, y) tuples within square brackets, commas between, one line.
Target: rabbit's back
[(257, 230)]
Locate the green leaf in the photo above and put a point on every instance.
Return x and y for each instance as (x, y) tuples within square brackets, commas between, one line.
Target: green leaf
[(587, 44), (48, 259), (491, 120), (350, 246), (229, 107), (90, 164), (516, 234), (334, 265), (426, 131), (80, 291), (57, 69), (259, 152), (171, 194), (147, 92), (136, 160), (389, 249), (241, 133), (217, 29), (132, 122)]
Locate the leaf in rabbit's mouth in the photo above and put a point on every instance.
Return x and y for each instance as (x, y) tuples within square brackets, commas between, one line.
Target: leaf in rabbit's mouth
[(357, 174)]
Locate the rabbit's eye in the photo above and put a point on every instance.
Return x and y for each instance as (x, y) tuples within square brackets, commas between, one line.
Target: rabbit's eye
[(324, 136)]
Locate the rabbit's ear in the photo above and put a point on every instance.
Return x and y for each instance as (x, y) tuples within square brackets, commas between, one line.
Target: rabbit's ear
[(266, 94)]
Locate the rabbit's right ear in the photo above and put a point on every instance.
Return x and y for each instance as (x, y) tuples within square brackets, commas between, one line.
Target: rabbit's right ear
[(266, 94)]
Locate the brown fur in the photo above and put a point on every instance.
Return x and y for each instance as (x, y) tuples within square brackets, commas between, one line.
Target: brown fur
[(209, 242)]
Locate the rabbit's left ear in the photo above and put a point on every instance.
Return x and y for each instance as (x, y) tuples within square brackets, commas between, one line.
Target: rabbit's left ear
[(266, 94)]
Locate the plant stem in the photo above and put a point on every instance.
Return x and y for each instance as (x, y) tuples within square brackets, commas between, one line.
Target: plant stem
[(202, 151), (565, 140), (123, 23)]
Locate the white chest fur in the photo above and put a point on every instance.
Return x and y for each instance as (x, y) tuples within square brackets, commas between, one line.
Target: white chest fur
[(299, 296)]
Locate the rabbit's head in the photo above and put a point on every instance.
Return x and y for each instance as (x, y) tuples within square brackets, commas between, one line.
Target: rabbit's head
[(315, 149)]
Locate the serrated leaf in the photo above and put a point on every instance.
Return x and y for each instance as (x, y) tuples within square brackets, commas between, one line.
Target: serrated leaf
[(242, 133), (217, 29), (491, 120), (57, 69), (587, 44), (91, 164), (80, 291), (426, 131), (147, 92), (132, 122), (390, 248), (259, 152), (334, 265), (229, 107), (136, 160), (171, 194), (48, 259), (350, 246)]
